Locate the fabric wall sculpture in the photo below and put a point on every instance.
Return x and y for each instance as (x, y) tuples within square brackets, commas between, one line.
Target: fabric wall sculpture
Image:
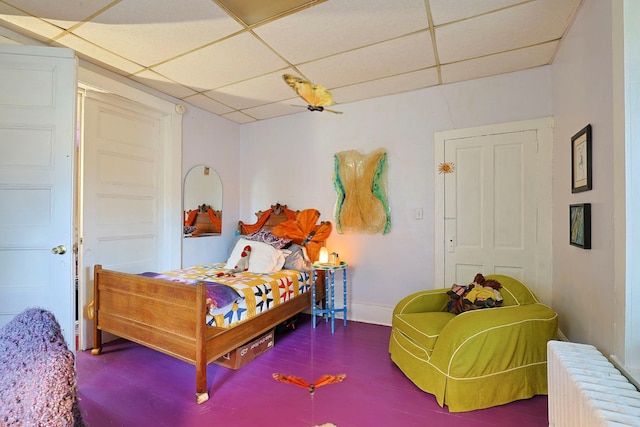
[(362, 204)]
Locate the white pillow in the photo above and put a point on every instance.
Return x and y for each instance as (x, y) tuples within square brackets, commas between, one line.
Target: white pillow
[(234, 257), (282, 257), (264, 258)]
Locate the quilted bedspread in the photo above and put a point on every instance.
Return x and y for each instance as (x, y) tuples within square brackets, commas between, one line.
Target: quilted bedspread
[(259, 292)]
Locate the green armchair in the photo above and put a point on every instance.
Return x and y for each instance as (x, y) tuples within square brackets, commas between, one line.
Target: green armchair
[(479, 358)]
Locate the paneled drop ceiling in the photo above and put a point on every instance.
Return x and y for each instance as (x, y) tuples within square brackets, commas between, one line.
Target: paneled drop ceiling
[(228, 56)]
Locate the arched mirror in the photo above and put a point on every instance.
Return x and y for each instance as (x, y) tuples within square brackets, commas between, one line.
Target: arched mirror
[(202, 208)]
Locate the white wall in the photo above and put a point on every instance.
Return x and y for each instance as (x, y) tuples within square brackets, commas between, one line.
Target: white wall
[(583, 280), (290, 160)]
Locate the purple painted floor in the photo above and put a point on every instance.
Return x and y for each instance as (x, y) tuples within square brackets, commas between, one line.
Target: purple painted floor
[(129, 385)]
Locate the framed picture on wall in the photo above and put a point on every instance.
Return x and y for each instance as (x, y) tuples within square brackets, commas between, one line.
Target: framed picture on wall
[(580, 225), (581, 160)]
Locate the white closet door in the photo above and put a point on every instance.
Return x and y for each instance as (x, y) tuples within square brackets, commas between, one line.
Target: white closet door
[(493, 213), (490, 207), (37, 133)]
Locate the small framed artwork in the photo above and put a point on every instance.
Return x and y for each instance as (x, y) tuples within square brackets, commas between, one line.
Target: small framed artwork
[(580, 225), (581, 160)]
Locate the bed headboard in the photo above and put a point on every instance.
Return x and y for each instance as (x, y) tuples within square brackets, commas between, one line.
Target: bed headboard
[(302, 227), (269, 218)]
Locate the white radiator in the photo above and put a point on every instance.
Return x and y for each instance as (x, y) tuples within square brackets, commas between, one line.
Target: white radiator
[(586, 390)]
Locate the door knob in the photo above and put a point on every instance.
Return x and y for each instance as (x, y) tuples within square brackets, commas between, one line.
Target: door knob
[(59, 250)]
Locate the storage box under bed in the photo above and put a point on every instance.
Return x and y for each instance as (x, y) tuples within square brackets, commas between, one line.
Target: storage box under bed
[(244, 354)]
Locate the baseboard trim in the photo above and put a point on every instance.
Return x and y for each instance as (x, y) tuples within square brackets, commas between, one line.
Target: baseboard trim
[(633, 375), (371, 313), (367, 313), (562, 336)]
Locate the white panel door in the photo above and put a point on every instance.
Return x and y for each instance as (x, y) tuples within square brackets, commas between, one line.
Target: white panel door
[(122, 190), (37, 134), (490, 207)]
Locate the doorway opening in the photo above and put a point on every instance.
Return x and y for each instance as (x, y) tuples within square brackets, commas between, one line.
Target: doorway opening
[(128, 207)]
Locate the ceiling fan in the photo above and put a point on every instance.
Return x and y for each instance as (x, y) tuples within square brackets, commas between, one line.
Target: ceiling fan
[(315, 95)]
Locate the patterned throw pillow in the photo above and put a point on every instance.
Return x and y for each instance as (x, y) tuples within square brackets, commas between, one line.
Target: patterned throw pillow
[(265, 236), (473, 297)]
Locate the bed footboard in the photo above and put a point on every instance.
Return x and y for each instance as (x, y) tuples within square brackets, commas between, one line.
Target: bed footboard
[(136, 308)]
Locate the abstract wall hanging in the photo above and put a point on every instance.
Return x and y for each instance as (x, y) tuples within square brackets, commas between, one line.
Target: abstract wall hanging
[(362, 205)]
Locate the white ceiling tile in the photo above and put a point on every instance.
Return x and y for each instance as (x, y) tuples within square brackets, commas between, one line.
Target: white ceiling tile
[(37, 28), (208, 104), (170, 28), (195, 51), (235, 59), (443, 11), (340, 25), (282, 108), (98, 55), (400, 55), (63, 13), (387, 86), (252, 12), (238, 117), (501, 63), (251, 93), (532, 23), (158, 82)]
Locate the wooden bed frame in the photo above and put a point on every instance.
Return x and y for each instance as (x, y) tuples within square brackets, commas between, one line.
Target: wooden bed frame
[(135, 307)]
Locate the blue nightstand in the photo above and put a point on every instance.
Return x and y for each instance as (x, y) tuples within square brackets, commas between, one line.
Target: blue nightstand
[(330, 309)]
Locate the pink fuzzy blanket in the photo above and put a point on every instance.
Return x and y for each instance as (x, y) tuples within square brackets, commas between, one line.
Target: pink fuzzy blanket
[(37, 373)]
